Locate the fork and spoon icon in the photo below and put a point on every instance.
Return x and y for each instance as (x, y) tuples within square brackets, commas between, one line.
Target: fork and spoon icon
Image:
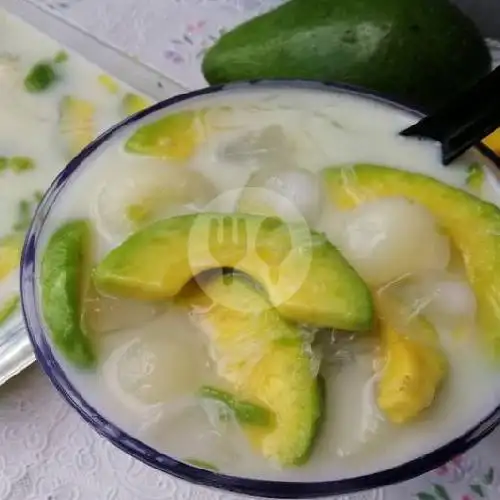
[(232, 232)]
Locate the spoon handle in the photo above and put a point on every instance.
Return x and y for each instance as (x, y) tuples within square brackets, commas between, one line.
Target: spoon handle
[(465, 120)]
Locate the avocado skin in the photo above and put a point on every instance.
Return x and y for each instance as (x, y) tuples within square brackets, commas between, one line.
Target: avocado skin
[(417, 51)]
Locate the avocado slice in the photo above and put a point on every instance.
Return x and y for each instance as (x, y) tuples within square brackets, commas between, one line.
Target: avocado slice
[(246, 412), (404, 48), (414, 364), (472, 224), (62, 277), (174, 137), (310, 282), (265, 359)]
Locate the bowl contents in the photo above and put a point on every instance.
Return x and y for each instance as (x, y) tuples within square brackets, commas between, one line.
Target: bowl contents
[(53, 104), (272, 283), (421, 52)]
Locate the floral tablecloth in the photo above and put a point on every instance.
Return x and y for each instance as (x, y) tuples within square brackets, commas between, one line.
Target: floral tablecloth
[(46, 451)]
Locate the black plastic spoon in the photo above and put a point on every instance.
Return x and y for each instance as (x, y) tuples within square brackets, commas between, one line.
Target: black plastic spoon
[(465, 120)]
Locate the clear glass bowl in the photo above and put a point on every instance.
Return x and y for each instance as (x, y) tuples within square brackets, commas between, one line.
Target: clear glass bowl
[(134, 447)]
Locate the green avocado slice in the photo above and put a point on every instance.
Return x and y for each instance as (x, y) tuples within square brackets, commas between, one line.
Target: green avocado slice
[(63, 278), (305, 277), (246, 412)]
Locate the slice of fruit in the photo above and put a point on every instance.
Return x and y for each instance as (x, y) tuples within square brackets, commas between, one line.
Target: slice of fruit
[(472, 224), (10, 253), (414, 364), (305, 276), (265, 359), (174, 137), (246, 412), (63, 279), (402, 48), (76, 123), (133, 103)]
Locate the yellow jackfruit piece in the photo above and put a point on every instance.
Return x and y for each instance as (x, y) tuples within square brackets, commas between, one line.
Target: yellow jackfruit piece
[(76, 123), (414, 366), (493, 141)]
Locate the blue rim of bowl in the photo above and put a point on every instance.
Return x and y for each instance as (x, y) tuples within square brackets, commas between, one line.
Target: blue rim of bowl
[(162, 462)]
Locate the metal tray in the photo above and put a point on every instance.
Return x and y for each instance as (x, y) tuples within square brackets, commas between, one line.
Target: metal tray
[(15, 348)]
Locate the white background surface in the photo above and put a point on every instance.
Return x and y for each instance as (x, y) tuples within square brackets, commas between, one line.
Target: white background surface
[(46, 451)]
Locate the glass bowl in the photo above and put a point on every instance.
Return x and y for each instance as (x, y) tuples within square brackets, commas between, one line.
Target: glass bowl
[(137, 449)]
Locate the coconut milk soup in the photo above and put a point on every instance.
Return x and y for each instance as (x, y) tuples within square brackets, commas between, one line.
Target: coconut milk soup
[(52, 104), (353, 328)]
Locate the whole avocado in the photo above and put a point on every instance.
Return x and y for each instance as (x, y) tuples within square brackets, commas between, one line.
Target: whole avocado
[(417, 51)]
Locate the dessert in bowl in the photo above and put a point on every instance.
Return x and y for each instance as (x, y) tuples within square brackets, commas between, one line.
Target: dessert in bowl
[(264, 288)]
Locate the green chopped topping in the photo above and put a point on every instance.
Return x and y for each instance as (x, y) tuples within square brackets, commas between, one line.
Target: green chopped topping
[(202, 464), (40, 77), (20, 164), (8, 308), (17, 164), (475, 177), (61, 57), (25, 211), (23, 216), (37, 196), (244, 411)]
